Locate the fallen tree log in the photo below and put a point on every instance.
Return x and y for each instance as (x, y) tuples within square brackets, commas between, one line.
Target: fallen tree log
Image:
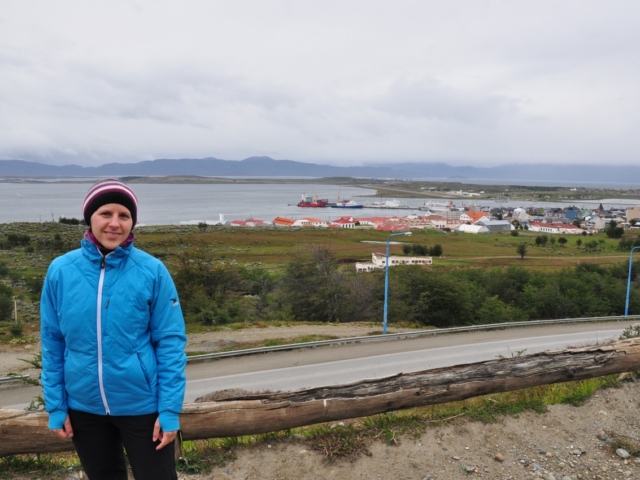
[(246, 414)]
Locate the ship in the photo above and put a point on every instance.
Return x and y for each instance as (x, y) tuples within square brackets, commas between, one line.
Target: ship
[(436, 206), (388, 204), (310, 202), (345, 204)]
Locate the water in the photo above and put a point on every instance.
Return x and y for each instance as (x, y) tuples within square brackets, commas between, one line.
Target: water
[(180, 203)]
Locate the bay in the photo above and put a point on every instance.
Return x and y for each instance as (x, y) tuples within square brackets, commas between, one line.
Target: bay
[(163, 204)]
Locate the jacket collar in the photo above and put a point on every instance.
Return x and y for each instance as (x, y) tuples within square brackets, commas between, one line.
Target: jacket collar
[(93, 253)]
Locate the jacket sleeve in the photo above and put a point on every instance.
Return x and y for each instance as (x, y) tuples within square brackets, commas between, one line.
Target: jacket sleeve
[(53, 346), (169, 340)]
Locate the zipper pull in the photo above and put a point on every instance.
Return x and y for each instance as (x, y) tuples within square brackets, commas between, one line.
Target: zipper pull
[(102, 262), (107, 305)]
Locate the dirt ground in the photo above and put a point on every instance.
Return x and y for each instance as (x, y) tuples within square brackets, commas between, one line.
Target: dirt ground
[(565, 443)]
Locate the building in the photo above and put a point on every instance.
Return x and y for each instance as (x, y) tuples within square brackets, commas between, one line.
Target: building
[(554, 228), (451, 215), (496, 225), (437, 221), (633, 213), (472, 229), (250, 222), (595, 223), (343, 222), (473, 217), (378, 262)]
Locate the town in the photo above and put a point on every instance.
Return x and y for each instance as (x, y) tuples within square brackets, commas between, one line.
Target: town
[(470, 219)]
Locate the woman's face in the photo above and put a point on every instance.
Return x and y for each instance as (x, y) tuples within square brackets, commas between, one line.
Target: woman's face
[(111, 225)]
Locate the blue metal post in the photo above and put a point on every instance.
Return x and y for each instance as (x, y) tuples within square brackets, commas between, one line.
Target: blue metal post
[(386, 281), (626, 308)]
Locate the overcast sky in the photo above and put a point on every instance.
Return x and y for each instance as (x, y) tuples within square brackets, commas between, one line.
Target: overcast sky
[(338, 82)]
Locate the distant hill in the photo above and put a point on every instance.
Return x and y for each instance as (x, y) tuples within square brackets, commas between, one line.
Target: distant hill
[(251, 167), (268, 167)]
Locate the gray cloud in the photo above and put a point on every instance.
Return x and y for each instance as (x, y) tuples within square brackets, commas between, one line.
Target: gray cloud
[(348, 82)]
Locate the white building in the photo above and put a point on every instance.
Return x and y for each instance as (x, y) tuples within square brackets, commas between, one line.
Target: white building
[(472, 229), (555, 228), (379, 261)]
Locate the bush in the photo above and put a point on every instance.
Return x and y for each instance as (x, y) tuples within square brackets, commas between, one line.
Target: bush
[(70, 221), (514, 233), (15, 240), (16, 330)]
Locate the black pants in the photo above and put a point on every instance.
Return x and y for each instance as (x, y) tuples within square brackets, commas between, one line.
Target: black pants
[(99, 440)]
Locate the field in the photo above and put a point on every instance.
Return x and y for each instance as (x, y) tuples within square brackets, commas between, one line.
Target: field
[(268, 251)]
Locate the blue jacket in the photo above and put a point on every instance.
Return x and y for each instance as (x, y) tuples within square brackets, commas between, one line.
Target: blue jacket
[(112, 336)]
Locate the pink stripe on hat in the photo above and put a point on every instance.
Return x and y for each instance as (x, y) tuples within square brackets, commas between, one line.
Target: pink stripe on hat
[(106, 186)]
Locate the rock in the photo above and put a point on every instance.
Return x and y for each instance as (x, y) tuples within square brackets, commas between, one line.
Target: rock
[(469, 469), (549, 476), (455, 457), (498, 457), (622, 453), (567, 477), (576, 452)]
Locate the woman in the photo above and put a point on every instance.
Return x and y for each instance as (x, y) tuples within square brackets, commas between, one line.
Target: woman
[(113, 345)]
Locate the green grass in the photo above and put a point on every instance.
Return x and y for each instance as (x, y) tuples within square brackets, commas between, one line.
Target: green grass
[(57, 465)]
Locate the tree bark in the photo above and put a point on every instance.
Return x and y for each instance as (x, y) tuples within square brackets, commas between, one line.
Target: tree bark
[(245, 413)]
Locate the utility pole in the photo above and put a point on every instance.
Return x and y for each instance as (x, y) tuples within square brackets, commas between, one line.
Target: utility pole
[(15, 308)]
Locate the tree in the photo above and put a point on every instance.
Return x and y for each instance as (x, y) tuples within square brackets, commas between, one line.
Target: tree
[(313, 286), (562, 241), (614, 232), (494, 310), (577, 222), (633, 222), (436, 250), (553, 241), (578, 242), (6, 304), (522, 250)]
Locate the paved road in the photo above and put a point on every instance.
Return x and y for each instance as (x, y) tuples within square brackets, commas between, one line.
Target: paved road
[(312, 367)]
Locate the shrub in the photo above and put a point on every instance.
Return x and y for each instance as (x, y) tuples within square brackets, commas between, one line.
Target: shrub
[(16, 330)]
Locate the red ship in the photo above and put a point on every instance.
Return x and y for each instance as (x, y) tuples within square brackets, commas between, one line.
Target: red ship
[(310, 202)]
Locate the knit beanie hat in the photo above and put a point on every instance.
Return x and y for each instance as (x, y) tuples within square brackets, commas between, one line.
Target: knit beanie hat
[(109, 191)]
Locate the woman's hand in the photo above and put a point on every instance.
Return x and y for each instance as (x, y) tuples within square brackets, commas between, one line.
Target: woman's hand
[(165, 437), (65, 431)]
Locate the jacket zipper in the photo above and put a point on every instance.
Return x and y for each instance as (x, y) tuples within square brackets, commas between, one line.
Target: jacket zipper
[(99, 330)]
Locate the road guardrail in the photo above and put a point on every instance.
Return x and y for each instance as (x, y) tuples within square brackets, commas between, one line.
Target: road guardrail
[(396, 336), (378, 338), (13, 379)]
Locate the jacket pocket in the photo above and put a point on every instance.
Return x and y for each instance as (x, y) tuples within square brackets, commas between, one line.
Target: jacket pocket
[(145, 372)]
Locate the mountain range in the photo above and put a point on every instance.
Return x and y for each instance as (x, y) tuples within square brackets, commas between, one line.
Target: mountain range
[(268, 167)]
